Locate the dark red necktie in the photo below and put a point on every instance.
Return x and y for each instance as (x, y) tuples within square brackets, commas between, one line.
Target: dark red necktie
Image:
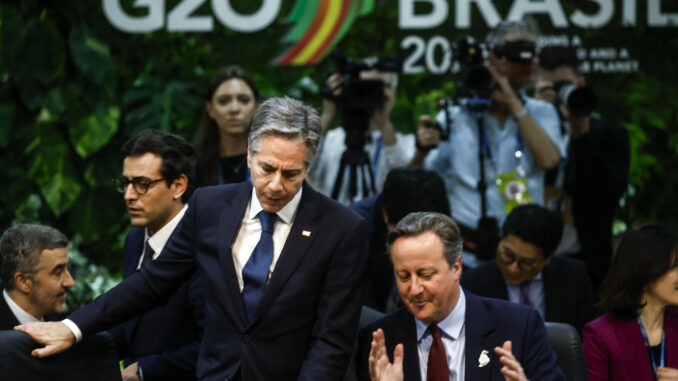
[(437, 361)]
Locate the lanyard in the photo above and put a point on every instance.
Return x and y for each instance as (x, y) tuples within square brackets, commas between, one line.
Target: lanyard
[(220, 173), (518, 151), (377, 154), (647, 342)]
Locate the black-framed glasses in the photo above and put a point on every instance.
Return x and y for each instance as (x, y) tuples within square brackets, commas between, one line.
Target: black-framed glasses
[(508, 258), (140, 184)]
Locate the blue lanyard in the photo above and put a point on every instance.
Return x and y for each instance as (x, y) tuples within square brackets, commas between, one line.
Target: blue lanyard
[(220, 173), (377, 153), (647, 342), (519, 145)]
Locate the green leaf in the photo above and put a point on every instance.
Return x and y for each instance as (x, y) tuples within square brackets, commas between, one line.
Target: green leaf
[(91, 133), (92, 57), (7, 110)]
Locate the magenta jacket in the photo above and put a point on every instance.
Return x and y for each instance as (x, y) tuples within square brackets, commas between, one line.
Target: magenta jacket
[(615, 349)]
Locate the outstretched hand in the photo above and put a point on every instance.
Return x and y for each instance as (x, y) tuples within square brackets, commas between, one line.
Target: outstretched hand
[(55, 336), (381, 368), (512, 370)]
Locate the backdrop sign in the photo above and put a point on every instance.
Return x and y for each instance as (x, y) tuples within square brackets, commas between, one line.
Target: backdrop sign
[(315, 27)]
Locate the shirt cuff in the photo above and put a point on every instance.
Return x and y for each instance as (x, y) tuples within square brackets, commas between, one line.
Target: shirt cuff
[(74, 329)]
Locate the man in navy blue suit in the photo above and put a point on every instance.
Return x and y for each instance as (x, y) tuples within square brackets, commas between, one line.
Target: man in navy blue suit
[(445, 332), (157, 177), (296, 319)]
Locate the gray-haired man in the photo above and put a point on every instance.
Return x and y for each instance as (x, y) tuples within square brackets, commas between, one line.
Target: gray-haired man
[(282, 266), (34, 273), (445, 332)]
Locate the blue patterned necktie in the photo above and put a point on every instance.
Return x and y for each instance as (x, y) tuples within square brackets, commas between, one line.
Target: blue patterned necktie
[(255, 272)]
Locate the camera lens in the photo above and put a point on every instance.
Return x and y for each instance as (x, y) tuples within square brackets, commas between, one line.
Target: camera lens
[(580, 101)]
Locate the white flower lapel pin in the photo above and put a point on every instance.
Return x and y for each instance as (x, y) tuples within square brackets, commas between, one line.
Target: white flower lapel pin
[(484, 359)]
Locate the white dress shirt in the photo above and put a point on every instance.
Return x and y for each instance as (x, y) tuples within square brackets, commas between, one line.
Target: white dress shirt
[(250, 231), (453, 335), (160, 238), (535, 292), (22, 316)]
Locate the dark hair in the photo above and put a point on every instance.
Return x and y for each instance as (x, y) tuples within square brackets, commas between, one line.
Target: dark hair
[(439, 224), (207, 137), (536, 225), (177, 155), (643, 256), (21, 247), (413, 189), (553, 57)]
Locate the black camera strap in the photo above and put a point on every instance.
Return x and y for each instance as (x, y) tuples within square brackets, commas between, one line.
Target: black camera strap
[(482, 154)]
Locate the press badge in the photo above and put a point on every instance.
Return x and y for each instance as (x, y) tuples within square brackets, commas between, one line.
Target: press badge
[(513, 189)]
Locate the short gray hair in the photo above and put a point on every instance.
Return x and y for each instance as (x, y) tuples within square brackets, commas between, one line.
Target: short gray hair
[(21, 247), (520, 28), (439, 224), (287, 118)]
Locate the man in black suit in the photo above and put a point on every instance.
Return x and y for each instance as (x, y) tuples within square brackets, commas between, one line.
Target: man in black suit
[(34, 273), (527, 272), (445, 332), (281, 264), (157, 177), (588, 188)]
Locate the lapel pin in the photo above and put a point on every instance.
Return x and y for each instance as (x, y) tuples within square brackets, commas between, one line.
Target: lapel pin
[(306, 233), (484, 359)]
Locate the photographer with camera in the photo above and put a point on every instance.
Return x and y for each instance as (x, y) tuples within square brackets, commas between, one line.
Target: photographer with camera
[(500, 141), (354, 159), (587, 189)]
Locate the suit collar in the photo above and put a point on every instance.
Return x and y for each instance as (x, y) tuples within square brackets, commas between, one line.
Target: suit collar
[(636, 360), (406, 333), (479, 327)]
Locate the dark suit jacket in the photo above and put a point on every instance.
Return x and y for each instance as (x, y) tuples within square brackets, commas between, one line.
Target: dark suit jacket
[(568, 293), (306, 322), (9, 321), (615, 349), (164, 340), (489, 322)]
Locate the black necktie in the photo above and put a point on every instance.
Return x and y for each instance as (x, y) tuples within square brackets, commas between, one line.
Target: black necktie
[(255, 272)]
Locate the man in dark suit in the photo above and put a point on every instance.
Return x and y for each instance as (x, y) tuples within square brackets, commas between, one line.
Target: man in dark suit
[(281, 264), (34, 274), (157, 177), (527, 272), (446, 332)]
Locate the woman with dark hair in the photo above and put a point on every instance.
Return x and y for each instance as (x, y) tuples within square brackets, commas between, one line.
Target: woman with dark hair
[(221, 147), (637, 339)]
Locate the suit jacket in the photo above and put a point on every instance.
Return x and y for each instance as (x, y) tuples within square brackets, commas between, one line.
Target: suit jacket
[(305, 325), (568, 293), (8, 321), (489, 322), (164, 340), (615, 349)]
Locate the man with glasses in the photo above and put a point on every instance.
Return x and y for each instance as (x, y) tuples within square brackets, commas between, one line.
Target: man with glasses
[(526, 272), (157, 177)]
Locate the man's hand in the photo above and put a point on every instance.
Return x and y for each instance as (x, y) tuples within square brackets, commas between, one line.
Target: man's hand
[(667, 374), (428, 137), (381, 368), (335, 82), (381, 116), (503, 93), (55, 336), (512, 370), (130, 373)]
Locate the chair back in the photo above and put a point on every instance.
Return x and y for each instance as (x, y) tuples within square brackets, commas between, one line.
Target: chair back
[(565, 341)]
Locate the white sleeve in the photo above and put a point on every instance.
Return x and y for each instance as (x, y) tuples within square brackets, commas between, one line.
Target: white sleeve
[(74, 329)]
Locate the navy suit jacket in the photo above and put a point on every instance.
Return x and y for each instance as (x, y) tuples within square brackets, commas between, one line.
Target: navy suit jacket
[(305, 325), (164, 340), (489, 322), (8, 321), (568, 292)]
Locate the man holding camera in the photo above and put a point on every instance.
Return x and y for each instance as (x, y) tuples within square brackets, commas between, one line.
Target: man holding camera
[(495, 157), (587, 189), (385, 148)]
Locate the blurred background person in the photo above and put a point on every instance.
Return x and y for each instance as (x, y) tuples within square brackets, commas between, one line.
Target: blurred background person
[(231, 100), (587, 186), (637, 339), (34, 273), (406, 190), (527, 272), (385, 149), (517, 136)]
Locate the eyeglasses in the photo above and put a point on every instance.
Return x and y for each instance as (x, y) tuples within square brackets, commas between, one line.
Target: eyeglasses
[(140, 184), (508, 258)]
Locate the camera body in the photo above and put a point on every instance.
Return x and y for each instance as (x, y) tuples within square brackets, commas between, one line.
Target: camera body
[(579, 100), (474, 80)]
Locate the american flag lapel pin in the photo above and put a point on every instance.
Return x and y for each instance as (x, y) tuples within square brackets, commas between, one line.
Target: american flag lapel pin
[(306, 233)]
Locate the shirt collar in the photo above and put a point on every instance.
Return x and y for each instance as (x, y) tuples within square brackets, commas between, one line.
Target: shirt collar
[(22, 316), (286, 214), (451, 325), (160, 238)]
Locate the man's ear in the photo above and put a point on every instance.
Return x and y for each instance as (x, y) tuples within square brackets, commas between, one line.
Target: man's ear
[(383, 212), (249, 156), (179, 186), (23, 282)]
